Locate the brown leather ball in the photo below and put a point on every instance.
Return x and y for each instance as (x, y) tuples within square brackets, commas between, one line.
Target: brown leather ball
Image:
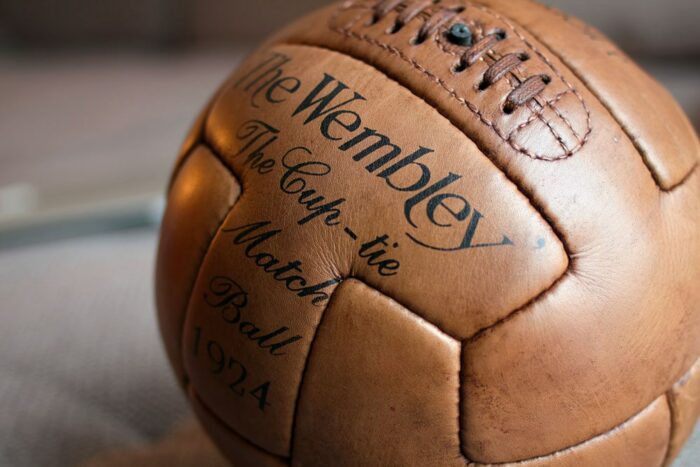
[(437, 233)]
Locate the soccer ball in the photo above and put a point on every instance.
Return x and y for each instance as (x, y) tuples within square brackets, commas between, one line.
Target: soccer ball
[(437, 233)]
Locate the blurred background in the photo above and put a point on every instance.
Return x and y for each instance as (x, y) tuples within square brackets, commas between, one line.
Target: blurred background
[(95, 98)]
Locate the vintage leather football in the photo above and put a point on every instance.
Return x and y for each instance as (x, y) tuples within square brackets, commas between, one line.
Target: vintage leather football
[(437, 233)]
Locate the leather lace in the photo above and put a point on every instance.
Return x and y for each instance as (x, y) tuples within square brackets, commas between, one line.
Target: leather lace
[(523, 92)]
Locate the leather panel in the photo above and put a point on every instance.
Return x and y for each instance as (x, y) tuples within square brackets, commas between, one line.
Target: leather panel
[(289, 253), (621, 231), (641, 105), (557, 347), (641, 440), (511, 236), (186, 231), (244, 360), (377, 376)]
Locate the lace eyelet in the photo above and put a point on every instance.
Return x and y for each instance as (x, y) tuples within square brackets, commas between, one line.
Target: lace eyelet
[(459, 67), (546, 79), (396, 27), (499, 33), (417, 40)]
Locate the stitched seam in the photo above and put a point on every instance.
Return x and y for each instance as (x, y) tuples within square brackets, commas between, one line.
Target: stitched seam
[(548, 103), (615, 428), (440, 42), (588, 441), (240, 180), (551, 66), (203, 142), (566, 121), (535, 207), (197, 272), (453, 93), (486, 329), (304, 370), (213, 150), (350, 276), (671, 428), (682, 181), (515, 131), (459, 362), (228, 427), (477, 464), (551, 104), (554, 132), (635, 143), (345, 31), (289, 459), (460, 418), (570, 257), (297, 399), (670, 400), (513, 75), (411, 312)]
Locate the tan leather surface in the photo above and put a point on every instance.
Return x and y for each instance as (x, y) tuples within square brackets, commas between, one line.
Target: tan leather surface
[(641, 440), (186, 232), (468, 301), (352, 394), (553, 252), (641, 105), (684, 400), (325, 257)]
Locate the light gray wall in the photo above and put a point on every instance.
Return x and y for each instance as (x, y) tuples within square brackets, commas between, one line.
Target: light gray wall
[(658, 27)]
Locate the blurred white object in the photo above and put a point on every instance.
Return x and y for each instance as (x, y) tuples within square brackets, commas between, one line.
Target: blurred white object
[(17, 198)]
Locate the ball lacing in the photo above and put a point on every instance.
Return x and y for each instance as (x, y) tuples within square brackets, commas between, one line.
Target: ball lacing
[(460, 35)]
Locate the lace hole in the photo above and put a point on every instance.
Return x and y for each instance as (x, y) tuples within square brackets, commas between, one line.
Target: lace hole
[(396, 27), (483, 86), (524, 57), (508, 109), (499, 33), (546, 79), (417, 40), (458, 9), (459, 67), (373, 20)]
